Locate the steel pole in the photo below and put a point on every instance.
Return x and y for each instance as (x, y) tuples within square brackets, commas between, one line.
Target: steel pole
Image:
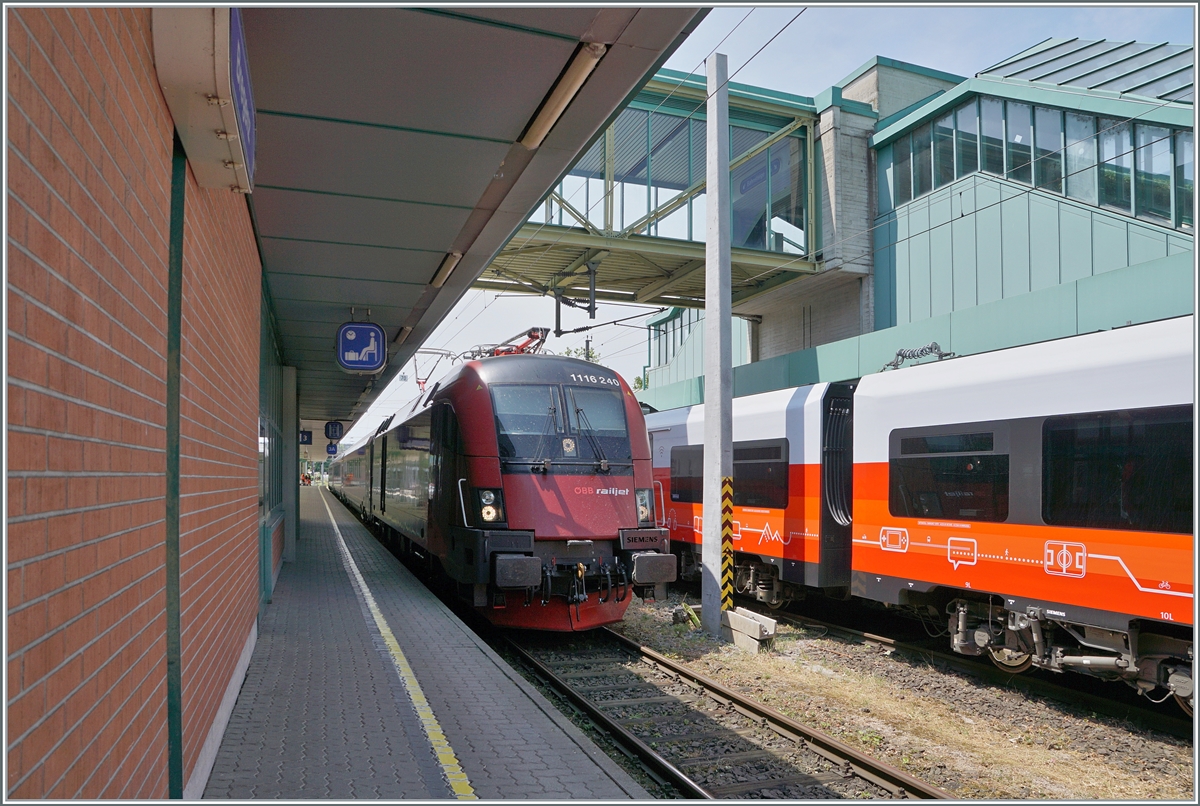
[(717, 580)]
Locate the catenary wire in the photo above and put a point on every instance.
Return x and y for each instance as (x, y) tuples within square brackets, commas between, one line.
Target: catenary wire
[(679, 84), (975, 176), (588, 211)]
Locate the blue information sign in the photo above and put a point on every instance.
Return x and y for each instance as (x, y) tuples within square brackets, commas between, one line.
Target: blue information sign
[(239, 78), (331, 449), (361, 348), (333, 430), (306, 437)]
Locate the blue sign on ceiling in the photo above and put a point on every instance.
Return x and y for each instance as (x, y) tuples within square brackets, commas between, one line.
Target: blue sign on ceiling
[(243, 98), (331, 449), (306, 437), (333, 430), (361, 348)]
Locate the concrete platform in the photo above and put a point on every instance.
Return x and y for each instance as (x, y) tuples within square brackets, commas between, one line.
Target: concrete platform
[(364, 685)]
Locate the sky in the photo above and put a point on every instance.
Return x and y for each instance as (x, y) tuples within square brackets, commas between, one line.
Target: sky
[(819, 48), (825, 44)]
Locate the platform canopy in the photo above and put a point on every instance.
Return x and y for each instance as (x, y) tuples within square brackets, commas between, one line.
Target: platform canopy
[(390, 141)]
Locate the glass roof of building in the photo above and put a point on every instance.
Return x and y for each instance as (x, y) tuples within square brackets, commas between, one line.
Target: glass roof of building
[(1136, 68)]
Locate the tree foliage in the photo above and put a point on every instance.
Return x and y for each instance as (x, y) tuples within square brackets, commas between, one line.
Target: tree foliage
[(582, 353)]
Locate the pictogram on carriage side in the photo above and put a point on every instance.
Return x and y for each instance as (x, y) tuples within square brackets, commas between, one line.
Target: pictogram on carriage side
[(892, 539), (1065, 559), (962, 551)]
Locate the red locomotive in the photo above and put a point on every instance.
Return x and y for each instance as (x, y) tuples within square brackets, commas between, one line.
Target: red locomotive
[(527, 478), (1037, 500)]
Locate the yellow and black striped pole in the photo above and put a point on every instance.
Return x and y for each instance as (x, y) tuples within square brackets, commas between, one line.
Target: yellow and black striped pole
[(726, 543)]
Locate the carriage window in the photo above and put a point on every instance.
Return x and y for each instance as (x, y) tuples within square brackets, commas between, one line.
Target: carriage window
[(760, 473), (957, 477), (948, 443), (1119, 470), (687, 473)]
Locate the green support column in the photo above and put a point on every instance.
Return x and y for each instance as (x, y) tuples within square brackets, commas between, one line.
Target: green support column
[(174, 342)]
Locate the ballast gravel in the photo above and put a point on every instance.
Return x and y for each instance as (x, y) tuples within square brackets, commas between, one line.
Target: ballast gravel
[(973, 739)]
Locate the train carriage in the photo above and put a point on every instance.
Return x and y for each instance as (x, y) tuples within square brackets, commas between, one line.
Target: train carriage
[(1039, 499), (527, 477), (1050, 488), (790, 491)]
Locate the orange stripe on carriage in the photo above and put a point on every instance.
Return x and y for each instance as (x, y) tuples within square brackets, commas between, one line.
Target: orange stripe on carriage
[(1143, 574)]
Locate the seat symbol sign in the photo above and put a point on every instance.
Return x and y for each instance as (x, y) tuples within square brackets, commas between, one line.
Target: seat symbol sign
[(361, 348), (1065, 559)]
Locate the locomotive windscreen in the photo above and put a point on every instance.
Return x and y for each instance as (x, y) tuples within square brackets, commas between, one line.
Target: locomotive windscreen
[(546, 421), (528, 416), (600, 415)]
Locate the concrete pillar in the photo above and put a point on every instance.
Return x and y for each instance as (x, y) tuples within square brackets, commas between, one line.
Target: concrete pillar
[(717, 550), (290, 426)]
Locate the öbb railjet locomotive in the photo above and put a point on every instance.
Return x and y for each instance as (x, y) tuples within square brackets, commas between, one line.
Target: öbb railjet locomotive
[(1035, 501), (527, 478)]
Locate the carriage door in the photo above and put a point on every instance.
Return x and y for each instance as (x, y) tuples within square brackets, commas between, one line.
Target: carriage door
[(837, 486), (446, 506), (381, 487)]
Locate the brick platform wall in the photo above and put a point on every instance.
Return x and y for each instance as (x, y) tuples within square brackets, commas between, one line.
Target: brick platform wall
[(89, 153)]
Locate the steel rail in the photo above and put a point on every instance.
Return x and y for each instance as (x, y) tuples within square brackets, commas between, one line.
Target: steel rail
[(847, 759), (877, 772), (648, 756), (984, 670)]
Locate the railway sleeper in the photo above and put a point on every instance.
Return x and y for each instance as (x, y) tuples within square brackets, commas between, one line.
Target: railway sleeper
[(616, 687), (723, 733), (727, 758), (744, 787)]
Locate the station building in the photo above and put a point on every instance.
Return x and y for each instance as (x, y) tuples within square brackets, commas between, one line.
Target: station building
[(1048, 195), (197, 198), (160, 316)]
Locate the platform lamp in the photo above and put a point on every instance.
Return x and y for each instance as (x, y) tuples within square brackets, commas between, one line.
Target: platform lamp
[(577, 72), (448, 263)]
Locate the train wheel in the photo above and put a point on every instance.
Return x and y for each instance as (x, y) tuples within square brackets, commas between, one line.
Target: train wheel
[(1185, 703), (1011, 660), (780, 605)]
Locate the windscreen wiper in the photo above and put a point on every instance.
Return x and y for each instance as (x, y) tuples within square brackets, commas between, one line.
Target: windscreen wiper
[(581, 418), (551, 422)]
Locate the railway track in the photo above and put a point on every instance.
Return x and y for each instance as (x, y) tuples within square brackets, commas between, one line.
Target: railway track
[(701, 737), (1135, 713)]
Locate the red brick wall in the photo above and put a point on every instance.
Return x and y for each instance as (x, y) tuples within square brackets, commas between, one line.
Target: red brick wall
[(89, 153)]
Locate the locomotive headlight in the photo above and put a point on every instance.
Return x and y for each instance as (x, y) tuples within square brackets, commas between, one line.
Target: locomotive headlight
[(491, 505), (645, 506)]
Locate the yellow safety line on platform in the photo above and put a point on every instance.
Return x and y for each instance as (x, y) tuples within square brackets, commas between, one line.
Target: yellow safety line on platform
[(452, 771)]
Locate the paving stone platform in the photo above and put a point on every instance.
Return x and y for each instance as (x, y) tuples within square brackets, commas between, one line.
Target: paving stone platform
[(324, 713)]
